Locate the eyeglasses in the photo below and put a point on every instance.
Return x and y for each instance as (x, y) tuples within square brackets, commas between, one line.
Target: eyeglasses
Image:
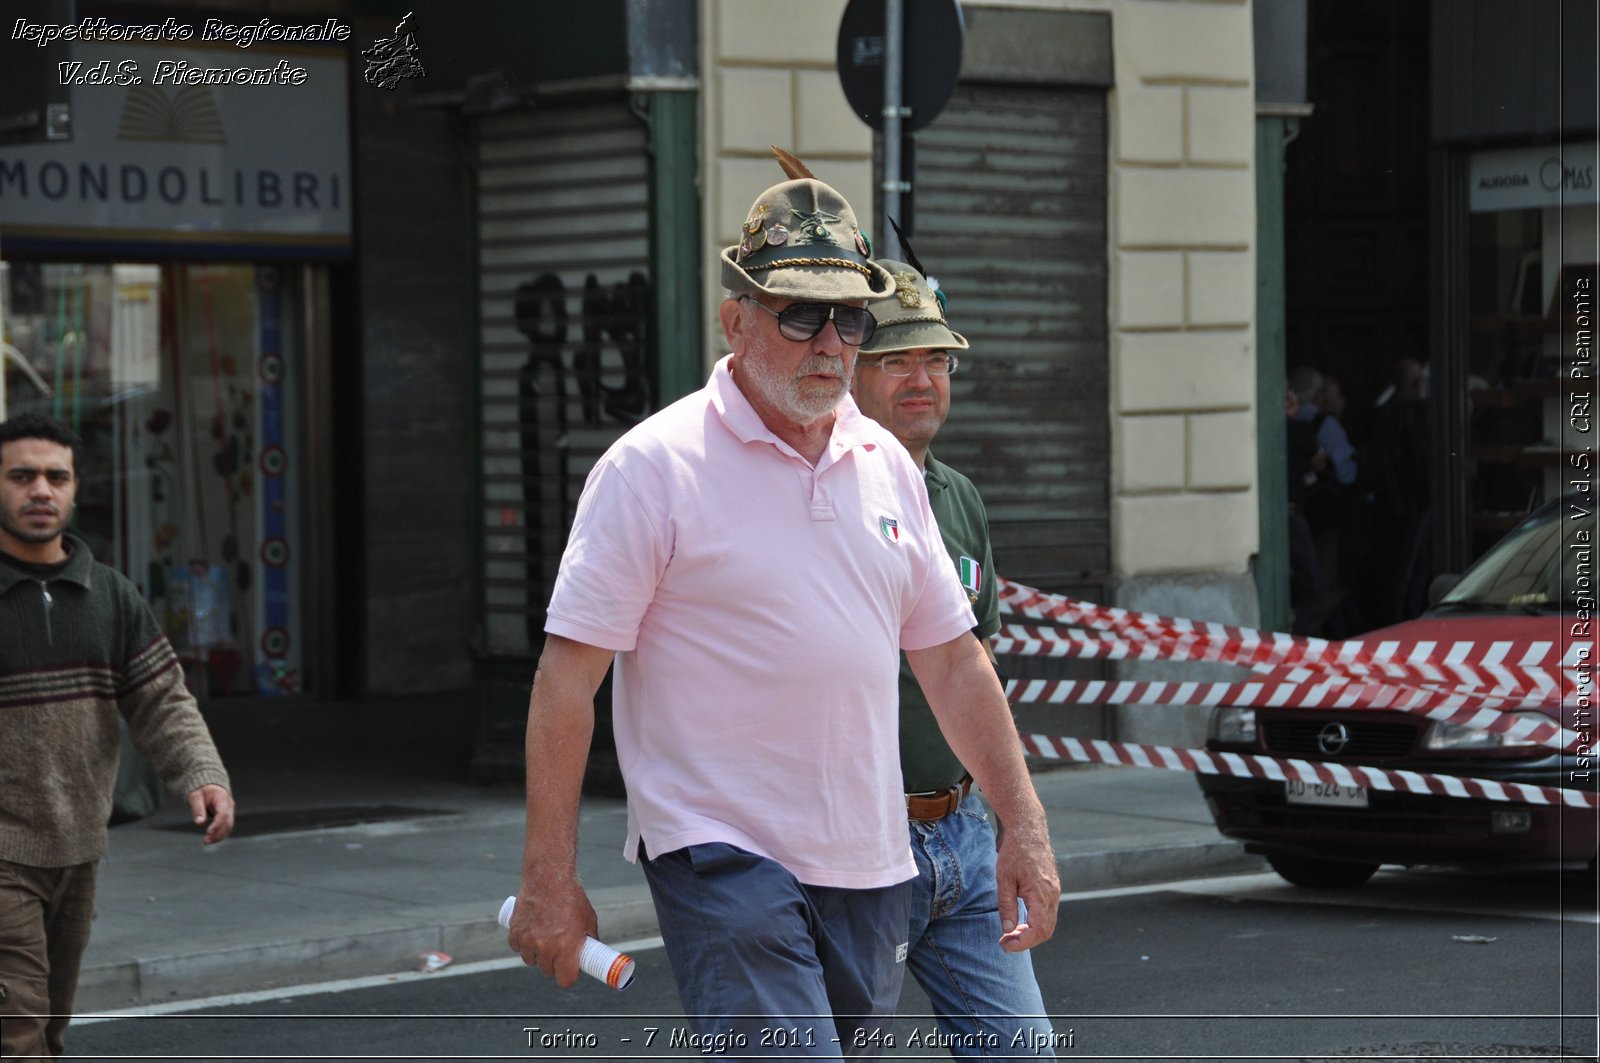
[(906, 364), (803, 321)]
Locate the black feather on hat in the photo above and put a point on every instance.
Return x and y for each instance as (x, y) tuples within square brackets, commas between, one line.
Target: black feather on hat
[(916, 264), (911, 317)]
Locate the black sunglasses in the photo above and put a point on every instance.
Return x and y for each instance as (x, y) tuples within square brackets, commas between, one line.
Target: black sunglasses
[(802, 321)]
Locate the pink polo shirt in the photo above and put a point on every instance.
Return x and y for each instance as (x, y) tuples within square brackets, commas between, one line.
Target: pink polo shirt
[(758, 606)]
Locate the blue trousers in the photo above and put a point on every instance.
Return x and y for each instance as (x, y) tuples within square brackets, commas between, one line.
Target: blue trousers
[(985, 999), (768, 966)]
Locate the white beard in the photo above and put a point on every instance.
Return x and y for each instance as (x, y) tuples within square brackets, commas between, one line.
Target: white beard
[(801, 403)]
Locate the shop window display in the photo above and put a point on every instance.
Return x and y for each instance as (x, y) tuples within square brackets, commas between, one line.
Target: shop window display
[(176, 377), (1524, 269)]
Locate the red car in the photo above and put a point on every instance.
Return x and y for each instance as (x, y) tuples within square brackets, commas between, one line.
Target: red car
[(1536, 584)]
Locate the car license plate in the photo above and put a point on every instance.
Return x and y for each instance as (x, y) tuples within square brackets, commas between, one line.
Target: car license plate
[(1297, 792)]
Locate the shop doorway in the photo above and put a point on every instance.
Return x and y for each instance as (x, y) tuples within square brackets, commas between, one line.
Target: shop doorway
[(1356, 306)]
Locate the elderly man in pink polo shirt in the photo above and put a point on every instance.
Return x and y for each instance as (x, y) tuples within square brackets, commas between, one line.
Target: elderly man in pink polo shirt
[(753, 558)]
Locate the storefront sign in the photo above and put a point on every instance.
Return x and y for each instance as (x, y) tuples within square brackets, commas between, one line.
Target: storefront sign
[(214, 146), (1552, 175)]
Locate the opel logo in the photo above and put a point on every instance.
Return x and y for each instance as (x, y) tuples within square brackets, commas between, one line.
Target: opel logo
[(1333, 738)]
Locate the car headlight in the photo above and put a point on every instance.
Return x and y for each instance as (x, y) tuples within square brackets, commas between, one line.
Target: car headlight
[(1234, 725), (1455, 736)]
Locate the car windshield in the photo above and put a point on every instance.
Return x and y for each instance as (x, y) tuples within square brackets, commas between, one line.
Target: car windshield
[(1545, 565)]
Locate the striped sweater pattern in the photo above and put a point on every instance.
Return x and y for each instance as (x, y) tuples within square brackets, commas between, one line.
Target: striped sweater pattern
[(75, 650)]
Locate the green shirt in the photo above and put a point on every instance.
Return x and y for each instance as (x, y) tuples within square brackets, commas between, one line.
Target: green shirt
[(926, 761)]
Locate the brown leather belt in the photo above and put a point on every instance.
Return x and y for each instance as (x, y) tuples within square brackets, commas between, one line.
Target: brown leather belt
[(937, 804)]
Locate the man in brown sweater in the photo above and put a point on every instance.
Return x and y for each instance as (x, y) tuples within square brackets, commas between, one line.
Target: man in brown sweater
[(78, 645)]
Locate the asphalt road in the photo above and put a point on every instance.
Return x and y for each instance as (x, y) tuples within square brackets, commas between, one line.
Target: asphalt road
[(1413, 964)]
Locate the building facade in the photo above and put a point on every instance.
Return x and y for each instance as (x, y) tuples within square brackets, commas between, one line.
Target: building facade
[(341, 398), (526, 270), (265, 344)]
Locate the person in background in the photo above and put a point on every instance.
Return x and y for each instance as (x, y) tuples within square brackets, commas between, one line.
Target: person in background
[(1408, 379), (984, 997), (1331, 502), (1312, 406), (1394, 477), (1306, 463), (78, 647), (754, 558)]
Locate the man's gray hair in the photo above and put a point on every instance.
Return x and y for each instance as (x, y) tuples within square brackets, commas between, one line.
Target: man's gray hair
[(1306, 383)]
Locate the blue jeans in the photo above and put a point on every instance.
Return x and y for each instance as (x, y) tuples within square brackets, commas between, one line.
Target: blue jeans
[(986, 999), (769, 966)]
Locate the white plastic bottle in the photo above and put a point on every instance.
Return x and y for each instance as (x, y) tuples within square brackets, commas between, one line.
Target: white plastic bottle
[(598, 960)]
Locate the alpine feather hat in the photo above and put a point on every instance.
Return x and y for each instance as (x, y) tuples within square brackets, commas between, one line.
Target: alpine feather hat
[(800, 241), (912, 316)]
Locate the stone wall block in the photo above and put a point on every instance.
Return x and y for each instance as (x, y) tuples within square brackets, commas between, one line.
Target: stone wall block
[(1222, 450), (1184, 371)]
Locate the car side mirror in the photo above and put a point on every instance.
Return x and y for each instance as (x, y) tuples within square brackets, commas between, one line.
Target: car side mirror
[(1442, 585)]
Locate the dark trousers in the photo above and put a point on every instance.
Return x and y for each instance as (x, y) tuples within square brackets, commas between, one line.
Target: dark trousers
[(1305, 576), (44, 928), (768, 966)]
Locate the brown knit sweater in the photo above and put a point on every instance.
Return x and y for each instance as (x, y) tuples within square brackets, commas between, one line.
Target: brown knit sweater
[(76, 648)]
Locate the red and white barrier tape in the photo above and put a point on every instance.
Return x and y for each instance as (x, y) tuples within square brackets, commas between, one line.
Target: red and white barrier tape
[(1500, 667), (1247, 765), (1474, 681), (1494, 679), (1462, 710)]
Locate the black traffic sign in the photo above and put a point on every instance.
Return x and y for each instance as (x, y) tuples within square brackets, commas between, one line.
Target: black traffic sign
[(931, 58)]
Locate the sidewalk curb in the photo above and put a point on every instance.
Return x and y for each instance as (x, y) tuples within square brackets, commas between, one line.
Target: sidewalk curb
[(1111, 868), (164, 979), (624, 912)]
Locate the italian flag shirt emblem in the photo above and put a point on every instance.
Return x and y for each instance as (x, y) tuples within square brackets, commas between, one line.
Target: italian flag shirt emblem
[(971, 574)]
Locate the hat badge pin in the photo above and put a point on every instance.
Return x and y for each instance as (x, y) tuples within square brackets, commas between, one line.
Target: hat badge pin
[(814, 223), (755, 237), (906, 290)]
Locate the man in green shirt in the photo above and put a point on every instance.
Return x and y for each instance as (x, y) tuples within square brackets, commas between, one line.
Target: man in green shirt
[(962, 952), (78, 648)]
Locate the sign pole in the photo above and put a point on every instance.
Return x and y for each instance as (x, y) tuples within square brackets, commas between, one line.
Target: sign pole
[(893, 112), (918, 45)]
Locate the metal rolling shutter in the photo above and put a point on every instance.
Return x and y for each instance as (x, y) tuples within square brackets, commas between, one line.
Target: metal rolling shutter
[(563, 232), (1011, 217)]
